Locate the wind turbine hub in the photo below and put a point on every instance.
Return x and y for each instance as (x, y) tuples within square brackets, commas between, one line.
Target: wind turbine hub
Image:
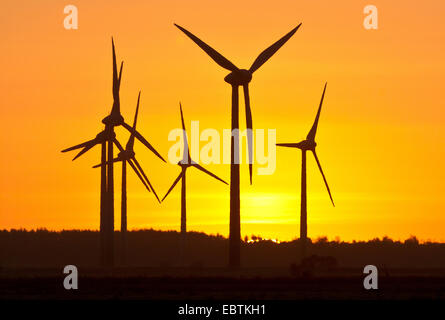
[(239, 77)]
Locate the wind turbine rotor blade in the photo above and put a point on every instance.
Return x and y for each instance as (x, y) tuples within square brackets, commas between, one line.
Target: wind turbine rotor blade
[(81, 145), (216, 56), (269, 52), (138, 174), (182, 116), (145, 177), (120, 74), (313, 131), (324, 178), (85, 149), (184, 137), (106, 163), (249, 128), (143, 140), (115, 78), (118, 145), (174, 184), (130, 142), (197, 166), (288, 145), (137, 111)]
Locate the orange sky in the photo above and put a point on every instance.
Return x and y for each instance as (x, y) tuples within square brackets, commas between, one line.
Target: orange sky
[(380, 138)]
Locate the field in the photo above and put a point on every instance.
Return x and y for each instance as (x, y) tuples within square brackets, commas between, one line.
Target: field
[(203, 284), (31, 267)]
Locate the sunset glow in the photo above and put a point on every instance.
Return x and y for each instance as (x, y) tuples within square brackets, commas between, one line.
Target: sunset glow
[(380, 137)]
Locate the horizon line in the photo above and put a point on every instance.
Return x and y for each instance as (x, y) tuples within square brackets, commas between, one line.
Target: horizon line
[(317, 239)]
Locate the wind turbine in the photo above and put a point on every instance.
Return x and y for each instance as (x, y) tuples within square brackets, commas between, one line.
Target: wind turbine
[(106, 138), (125, 156), (186, 163), (308, 144), (236, 78)]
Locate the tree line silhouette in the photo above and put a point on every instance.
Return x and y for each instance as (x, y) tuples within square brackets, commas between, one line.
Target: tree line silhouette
[(150, 248)]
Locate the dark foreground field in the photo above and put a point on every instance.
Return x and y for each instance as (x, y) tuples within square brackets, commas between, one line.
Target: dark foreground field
[(31, 267), (218, 284)]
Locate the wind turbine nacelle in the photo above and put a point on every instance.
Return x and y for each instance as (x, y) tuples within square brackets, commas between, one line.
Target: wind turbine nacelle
[(184, 163), (113, 120), (307, 145), (239, 77), (106, 135), (126, 154)]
